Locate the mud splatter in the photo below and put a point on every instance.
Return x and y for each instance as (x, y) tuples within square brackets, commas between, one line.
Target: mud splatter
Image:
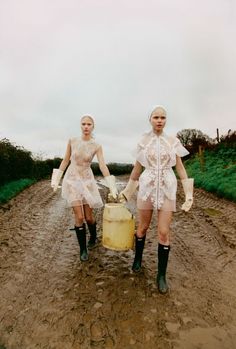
[(50, 300)]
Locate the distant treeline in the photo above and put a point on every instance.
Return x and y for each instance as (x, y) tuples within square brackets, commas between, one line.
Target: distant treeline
[(115, 168), (18, 163), (195, 140)]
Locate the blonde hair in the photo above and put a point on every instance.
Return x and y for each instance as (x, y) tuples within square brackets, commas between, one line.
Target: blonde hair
[(154, 109), (89, 117)]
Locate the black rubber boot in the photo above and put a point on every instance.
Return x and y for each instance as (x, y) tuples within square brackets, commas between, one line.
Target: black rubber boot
[(163, 255), (93, 242), (81, 236), (139, 246)]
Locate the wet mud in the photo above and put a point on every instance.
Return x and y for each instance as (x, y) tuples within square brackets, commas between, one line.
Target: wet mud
[(51, 300)]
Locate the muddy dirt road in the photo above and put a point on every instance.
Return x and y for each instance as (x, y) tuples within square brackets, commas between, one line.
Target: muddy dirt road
[(50, 300)]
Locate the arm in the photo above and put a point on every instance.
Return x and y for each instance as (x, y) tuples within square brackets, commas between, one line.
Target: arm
[(127, 193), (66, 158), (187, 184), (180, 168), (110, 180), (136, 172), (101, 162), (57, 173)]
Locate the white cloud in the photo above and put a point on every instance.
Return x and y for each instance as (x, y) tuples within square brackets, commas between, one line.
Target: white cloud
[(61, 59)]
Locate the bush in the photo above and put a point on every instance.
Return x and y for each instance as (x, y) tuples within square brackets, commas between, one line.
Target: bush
[(17, 163), (218, 172), (115, 169)]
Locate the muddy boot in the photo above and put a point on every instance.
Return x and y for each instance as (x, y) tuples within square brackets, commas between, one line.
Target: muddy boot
[(139, 246), (163, 254), (81, 236), (93, 242)]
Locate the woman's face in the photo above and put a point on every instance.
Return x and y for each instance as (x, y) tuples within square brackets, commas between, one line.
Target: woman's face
[(87, 126), (158, 120)]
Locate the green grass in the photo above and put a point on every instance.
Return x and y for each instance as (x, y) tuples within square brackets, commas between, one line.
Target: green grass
[(215, 171), (11, 189)]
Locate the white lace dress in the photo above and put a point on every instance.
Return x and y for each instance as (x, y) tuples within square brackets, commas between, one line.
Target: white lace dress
[(79, 186), (157, 183)]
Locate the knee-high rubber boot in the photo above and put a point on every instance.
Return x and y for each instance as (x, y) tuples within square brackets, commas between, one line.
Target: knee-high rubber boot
[(93, 236), (163, 255), (139, 246), (81, 236)]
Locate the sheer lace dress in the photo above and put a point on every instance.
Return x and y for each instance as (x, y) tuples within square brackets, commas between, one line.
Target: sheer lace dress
[(157, 183), (79, 186)]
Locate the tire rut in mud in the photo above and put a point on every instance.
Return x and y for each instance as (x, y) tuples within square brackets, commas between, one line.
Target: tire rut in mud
[(49, 299)]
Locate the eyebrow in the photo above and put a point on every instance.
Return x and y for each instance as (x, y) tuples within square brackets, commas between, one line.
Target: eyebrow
[(159, 116)]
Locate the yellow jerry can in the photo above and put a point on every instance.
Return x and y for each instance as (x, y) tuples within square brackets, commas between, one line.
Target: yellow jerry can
[(118, 227)]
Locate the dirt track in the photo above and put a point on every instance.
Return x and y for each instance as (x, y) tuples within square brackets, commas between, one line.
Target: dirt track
[(50, 300)]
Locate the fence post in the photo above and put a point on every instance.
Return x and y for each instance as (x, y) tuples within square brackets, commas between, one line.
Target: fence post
[(217, 136), (201, 157)]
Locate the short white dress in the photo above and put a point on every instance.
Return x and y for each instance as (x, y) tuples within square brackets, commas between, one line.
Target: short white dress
[(158, 183), (79, 186)]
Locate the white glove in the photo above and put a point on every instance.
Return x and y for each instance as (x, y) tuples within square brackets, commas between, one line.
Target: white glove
[(127, 193), (55, 179), (111, 183), (188, 191)]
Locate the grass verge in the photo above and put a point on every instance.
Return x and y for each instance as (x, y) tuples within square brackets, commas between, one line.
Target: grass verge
[(11, 189)]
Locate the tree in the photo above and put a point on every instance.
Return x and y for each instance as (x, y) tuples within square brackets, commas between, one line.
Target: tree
[(229, 138), (192, 139)]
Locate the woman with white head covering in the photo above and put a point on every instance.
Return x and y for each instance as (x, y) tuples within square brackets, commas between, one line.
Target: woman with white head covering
[(157, 153), (79, 187)]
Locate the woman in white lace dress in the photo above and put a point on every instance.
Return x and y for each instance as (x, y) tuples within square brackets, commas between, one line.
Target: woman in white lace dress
[(79, 187), (157, 153)]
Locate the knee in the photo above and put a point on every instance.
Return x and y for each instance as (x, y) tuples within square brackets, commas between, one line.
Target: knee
[(142, 230), (78, 215), (88, 215), (163, 236), (89, 220), (79, 222)]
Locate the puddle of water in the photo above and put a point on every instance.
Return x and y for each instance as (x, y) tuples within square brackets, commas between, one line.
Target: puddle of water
[(212, 211)]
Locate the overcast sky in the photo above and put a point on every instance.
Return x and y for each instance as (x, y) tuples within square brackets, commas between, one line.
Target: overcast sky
[(60, 59)]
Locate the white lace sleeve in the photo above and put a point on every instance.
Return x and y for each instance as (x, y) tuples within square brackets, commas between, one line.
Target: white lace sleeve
[(140, 156), (179, 149), (139, 152)]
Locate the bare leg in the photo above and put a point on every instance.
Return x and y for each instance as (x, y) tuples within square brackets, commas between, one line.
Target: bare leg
[(88, 213), (145, 217), (79, 215), (164, 221)]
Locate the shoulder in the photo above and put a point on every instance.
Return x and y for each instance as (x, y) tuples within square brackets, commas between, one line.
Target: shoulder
[(145, 138), (172, 140), (95, 144), (73, 140), (178, 147)]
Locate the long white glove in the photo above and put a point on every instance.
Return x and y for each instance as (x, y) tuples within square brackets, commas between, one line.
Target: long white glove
[(55, 179), (188, 191), (111, 183), (127, 193)]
